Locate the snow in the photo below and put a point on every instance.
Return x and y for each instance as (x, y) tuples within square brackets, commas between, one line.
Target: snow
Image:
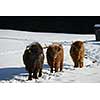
[(97, 25), (13, 44)]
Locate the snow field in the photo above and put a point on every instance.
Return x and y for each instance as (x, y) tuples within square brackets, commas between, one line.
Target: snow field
[(13, 44)]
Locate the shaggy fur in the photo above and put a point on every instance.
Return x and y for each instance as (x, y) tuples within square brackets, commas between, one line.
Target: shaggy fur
[(33, 59), (77, 53), (55, 56)]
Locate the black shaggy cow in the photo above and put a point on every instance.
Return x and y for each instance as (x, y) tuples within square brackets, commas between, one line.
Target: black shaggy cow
[(33, 59)]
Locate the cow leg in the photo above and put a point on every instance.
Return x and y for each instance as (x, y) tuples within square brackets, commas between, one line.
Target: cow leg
[(76, 64), (30, 76), (35, 74), (61, 65), (51, 70), (81, 64), (56, 67), (40, 72)]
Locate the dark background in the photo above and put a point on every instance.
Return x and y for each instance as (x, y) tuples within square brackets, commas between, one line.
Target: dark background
[(62, 24)]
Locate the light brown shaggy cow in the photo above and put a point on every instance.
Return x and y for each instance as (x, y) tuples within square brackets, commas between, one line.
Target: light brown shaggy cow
[(77, 53), (55, 56)]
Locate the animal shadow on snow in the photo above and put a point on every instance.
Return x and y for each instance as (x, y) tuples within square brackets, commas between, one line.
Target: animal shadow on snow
[(66, 67), (9, 73)]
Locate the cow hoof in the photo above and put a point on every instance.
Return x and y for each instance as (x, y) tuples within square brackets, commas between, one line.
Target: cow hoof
[(30, 78), (40, 75), (51, 71), (75, 66), (81, 66), (35, 77)]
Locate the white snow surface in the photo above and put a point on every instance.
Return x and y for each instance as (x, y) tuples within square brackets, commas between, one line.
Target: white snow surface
[(13, 44)]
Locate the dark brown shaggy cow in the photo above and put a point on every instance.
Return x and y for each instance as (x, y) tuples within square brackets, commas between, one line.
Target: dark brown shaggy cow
[(55, 56), (33, 59), (77, 53)]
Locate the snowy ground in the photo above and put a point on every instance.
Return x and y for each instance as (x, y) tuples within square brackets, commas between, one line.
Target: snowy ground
[(12, 46)]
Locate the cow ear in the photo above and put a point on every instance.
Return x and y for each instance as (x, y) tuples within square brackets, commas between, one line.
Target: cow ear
[(29, 51), (59, 49), (27, 47), (60, 45)]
